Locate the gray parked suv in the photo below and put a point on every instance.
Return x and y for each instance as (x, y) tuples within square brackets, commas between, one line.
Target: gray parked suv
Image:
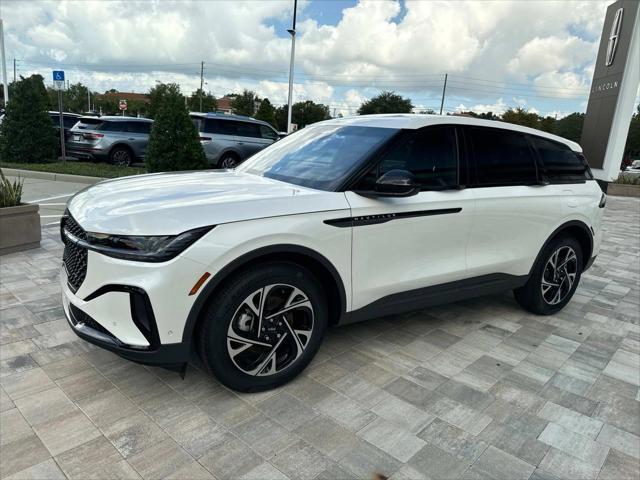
[(228, 140), (120, 140)]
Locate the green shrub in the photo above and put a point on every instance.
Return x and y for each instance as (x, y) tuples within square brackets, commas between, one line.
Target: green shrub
[(27, 134), (627, 179), (174, 142), (10, 192)]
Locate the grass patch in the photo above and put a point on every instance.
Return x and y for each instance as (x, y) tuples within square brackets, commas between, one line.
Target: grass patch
[(89, 169)]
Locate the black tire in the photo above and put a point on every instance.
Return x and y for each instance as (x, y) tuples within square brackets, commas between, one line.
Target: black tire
[(531, 296), (229, 160), (121, 156), (230, 305)]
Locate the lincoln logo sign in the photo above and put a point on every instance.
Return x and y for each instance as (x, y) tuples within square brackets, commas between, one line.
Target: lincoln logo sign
[(613, 37)]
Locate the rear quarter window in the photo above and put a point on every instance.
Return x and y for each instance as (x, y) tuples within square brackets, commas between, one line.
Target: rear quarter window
[(559, 162)]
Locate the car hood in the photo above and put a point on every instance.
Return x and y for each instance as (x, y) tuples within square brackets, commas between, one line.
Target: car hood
[(171, 203)]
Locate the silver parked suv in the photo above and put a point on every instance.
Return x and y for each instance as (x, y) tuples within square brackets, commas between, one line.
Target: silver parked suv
[(120, 140), (228, 140)]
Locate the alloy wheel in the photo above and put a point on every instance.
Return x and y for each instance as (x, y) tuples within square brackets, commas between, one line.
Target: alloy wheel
[(229, 162), (122, 157), (559, 275), (270, 330)]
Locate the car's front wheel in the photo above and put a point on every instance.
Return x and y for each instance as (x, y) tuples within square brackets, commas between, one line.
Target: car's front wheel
[(554, 278), (264, 327)]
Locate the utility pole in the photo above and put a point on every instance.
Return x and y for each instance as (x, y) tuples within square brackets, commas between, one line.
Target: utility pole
[(444, 91), (292, 32), (88, 100), (201, 82), (14, 70), (4, 65)]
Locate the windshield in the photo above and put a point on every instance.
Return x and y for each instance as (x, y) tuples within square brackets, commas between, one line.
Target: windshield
[(318, 157)]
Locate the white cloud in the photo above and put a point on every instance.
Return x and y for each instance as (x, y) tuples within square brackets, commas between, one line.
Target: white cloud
[(375, 45), (541, 55)]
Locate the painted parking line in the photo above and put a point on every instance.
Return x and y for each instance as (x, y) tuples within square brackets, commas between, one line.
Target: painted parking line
[(52, 204), (51, 198)]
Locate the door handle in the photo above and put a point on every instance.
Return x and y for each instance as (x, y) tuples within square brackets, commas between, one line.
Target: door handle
[(239, 143)]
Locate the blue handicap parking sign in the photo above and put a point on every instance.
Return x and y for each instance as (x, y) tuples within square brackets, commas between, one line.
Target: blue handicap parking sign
[(58, 76)]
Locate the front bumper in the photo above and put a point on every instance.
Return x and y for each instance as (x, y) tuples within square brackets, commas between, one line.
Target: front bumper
[(148, 351)]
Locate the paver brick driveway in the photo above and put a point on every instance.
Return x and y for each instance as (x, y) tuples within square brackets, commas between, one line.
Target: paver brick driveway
[(477, 389)]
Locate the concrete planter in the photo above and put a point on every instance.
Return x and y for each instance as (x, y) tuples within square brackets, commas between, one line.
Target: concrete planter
[(19, 228), (623, 190)]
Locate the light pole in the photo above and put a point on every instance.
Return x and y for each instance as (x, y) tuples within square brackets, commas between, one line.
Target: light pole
[(292, 32), (4, 65)]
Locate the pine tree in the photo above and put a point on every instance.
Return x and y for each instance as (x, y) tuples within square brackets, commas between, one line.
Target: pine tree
[(173, 143), (27, 134), (267, 113)]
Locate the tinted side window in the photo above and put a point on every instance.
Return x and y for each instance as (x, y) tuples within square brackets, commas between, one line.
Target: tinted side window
[(139, 127), (221, 127), (560, 162), (246, 129), (430, 154), (113, 127), (268, 133), (501, 157)]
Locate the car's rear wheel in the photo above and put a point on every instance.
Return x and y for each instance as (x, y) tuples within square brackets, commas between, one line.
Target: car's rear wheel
[(264, 327), (229, 160), (121, 156), (554, 279)]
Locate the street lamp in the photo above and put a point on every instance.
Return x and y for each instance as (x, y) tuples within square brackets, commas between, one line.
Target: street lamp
[(292, 32)]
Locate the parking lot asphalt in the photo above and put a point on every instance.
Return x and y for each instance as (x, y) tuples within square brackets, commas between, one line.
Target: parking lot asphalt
[(51, 195), (476, 389)]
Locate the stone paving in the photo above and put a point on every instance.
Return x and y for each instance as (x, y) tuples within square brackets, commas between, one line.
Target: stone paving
[(475, 390)]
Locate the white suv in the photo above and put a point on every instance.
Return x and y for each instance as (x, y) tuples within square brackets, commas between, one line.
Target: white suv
[(342, 221)]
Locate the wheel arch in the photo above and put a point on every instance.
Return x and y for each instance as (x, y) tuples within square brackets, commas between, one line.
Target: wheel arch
[(122, 145), (317, 263), (229, 151), (577, 229)]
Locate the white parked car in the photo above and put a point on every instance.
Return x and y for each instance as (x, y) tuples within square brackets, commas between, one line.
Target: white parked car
[(633, 170), (342, 221)]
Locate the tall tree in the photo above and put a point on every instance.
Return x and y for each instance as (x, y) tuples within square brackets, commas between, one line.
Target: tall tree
[(547, 124), (386, 102), (244, 103), (267, 113), (570, 126), (302, 114), (520, 116), (173, 142), (27, 133), (156, 95), (209, 102)]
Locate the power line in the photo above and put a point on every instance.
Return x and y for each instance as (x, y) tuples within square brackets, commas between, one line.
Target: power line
[(346, 77)]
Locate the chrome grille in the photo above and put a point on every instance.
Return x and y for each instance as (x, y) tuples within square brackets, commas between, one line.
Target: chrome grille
[(74, 256)]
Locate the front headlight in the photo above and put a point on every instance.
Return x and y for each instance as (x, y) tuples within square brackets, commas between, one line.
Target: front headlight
[(143, 248)]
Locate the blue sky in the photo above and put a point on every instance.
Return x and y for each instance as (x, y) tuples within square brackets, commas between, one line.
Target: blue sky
[(535, 54)]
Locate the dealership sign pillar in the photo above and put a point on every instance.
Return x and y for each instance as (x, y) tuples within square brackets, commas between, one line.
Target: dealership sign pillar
[(616, 78)]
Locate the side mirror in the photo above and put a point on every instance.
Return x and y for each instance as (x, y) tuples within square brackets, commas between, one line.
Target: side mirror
[(394, 183)]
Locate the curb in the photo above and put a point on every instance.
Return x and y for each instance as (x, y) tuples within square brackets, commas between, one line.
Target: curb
[(56, 177)]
